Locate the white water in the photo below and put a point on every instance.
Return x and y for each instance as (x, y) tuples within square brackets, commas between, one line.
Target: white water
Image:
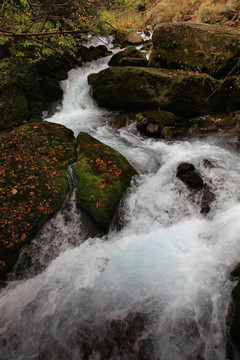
[(168, 261)]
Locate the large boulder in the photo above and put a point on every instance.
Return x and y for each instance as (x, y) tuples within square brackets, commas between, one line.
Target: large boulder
[(33, 182), (181, 92), (208, 48), (130, 54), (235, 322), (103, 175), (187, 173)]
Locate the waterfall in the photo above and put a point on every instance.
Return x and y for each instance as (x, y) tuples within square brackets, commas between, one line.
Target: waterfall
[(163, 277)]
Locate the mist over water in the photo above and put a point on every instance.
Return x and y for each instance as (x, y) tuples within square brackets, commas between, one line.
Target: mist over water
[(168, 261)]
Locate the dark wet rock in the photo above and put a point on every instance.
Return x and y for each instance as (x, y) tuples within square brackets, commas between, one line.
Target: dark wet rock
[(183, 93), (236, 271), (123, 119), (207, 198), (93, 52), (130, 52), (211, 49), (129, 61), (124, 338), (205, 209), (207, 163), (103, 175), (235, 318), (156, 123), (187, 173)]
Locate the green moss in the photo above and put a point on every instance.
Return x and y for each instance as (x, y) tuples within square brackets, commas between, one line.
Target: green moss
[(211, 49), (161, 116), (184, 93), (167, 132), (34, 182), (103, 175)]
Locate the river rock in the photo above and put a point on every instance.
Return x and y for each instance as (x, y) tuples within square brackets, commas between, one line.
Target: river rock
[(187, 173), (134, 38), (33, 182), (181, 92), (129, 56), (93, 52), (208, 48), (235, 322), (236, 271), (103, 175), (207, 199), (125, 338), (156, 123)]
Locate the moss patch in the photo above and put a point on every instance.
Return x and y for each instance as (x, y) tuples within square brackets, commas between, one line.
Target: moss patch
[(183, 93), (103, 175), (33, 182), (208, 48)]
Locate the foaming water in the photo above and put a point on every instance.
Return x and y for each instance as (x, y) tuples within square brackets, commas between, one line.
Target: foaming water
[(168, 261)]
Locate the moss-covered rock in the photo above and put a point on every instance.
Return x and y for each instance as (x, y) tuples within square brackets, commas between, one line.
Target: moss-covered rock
[(209, 48), (103, 175), (181, 92), (156, 123), (33, 182), (93, 52), (129, 52)]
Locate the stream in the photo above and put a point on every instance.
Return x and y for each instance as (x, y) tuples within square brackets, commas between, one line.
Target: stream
[(158, 285)]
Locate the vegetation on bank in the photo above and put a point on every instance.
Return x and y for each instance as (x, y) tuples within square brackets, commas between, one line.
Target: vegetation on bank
[(39, 41)]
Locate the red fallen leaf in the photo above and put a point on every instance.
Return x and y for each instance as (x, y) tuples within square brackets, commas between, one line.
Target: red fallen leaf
[(10, 245), (102, 186), (42, 208)]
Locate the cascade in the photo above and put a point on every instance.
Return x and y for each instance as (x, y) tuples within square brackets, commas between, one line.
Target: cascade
[(161, 281)]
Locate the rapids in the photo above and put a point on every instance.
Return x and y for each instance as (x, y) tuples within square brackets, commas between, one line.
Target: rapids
[(166, 260)]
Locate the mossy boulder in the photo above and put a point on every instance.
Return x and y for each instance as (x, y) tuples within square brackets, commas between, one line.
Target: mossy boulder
[(131, 54), (33, 182), (182, 92), (93, 52), (209, 48), (103, 175)]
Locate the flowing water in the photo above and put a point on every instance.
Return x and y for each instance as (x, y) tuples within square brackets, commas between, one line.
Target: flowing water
[(156, 287)]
